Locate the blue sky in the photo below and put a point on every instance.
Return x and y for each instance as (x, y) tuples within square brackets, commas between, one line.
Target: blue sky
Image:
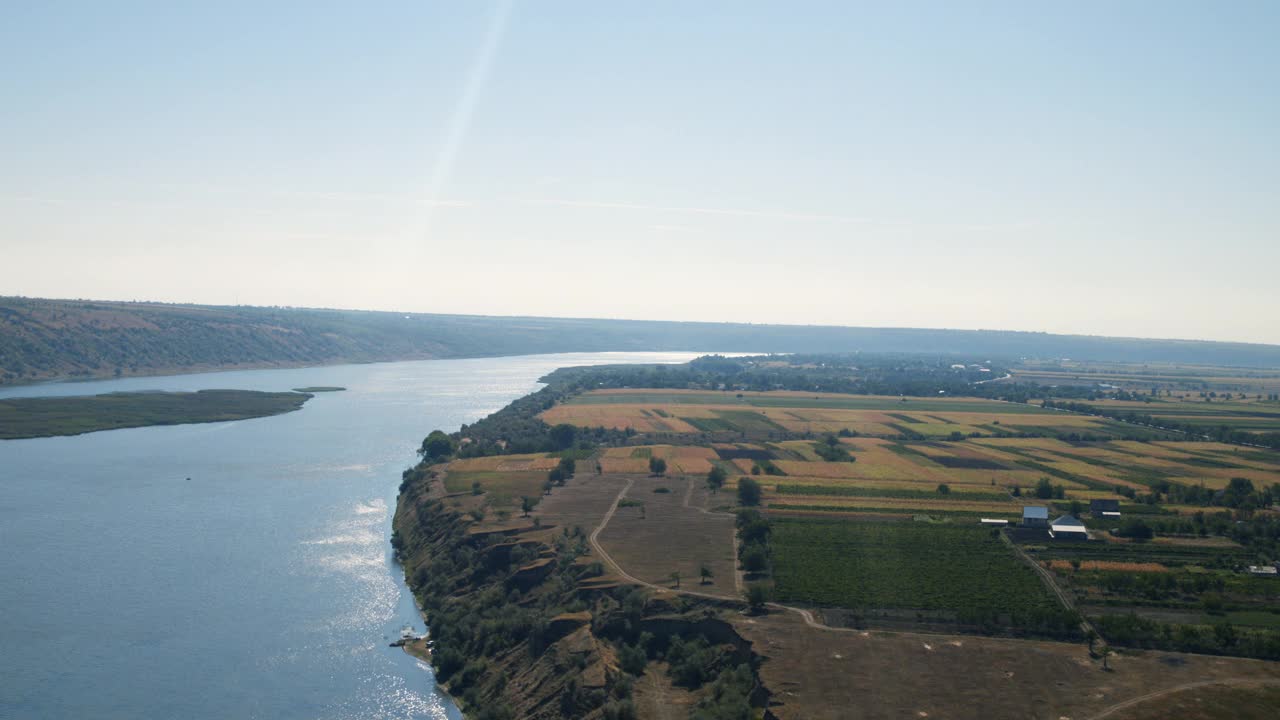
[(1107, 168)]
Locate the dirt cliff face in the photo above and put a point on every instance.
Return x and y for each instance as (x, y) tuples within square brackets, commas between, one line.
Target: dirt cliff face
[(525, 624)]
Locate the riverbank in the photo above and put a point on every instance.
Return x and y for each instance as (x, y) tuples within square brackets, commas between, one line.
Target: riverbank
[(527, 622)]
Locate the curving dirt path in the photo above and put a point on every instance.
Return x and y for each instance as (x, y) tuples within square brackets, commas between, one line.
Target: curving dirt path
[(594, 540), (1179, 688), (1047, 578)]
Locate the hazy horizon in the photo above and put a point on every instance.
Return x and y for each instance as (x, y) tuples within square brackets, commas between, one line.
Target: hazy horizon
[(1097, 169)]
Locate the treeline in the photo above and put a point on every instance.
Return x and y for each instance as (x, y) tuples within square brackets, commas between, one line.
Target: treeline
[(866, 374), (1221, 638), (1197, 431)]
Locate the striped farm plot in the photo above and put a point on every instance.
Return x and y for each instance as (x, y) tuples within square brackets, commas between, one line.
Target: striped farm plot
[(681, 459), (505, 463), (617, 417), (909, 504)]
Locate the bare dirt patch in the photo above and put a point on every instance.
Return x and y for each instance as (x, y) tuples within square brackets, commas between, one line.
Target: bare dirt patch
[(822, 674)]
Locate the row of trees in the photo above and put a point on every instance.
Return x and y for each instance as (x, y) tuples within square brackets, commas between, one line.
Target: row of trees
[(1221, 433)]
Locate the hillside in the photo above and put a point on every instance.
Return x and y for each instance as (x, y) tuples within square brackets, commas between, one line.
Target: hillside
[(52, 339)]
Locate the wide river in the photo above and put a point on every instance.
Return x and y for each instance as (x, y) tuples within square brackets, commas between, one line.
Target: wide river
[(231, 570)]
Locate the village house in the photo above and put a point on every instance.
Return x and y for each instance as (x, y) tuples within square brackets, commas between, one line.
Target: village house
[(1068, 527), (1035, 516), (1104, 508)]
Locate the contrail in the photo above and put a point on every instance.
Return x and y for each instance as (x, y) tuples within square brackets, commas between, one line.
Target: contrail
[(461, 121)]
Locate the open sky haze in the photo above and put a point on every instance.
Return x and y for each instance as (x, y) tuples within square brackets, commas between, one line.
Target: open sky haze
[(1096, 167)]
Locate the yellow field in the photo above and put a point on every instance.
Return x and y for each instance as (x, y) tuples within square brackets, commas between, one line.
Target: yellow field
[(647, 410), (681, 459)]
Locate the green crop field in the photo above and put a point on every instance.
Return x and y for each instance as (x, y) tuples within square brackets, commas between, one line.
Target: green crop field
[(907, 565)]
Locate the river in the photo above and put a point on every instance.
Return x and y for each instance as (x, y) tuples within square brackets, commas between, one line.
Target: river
[(237, 569)]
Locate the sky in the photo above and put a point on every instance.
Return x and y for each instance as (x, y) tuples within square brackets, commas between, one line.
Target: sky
[(1105, 168)]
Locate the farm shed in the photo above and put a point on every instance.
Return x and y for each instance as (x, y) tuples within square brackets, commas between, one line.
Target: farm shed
[(1264, 570), (1035, 516), (1068, 527), (1104, 508), (993, 522)]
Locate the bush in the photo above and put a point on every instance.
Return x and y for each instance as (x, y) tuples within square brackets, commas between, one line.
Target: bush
[(1135, 528)]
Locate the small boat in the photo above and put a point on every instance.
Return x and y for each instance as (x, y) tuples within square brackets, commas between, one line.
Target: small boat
[(408, 633)]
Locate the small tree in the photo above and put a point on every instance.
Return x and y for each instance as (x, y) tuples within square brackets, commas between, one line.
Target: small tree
[(657, 466), (557, 476), (476, 489), (563, 435), (944, 489), (437, 445), (568, 466), (716, 478), (1044, 488), (757, 597), (675, 578), (755, 559), (526, 504), (705, 573)]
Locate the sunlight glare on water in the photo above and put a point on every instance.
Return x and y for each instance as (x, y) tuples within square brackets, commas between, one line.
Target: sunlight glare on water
[(235, 569)]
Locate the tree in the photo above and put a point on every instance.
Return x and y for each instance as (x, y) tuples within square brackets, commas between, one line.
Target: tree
[(748, 492), (568, 466), (705, 572), (437, 445), (675, 578), (556, 476), (563, 435), (657, 466), (1135, 528), (757, 597), (716, 478), (944, 489), (754, 558), (1044, 488), (1076, 508), (526, 504)]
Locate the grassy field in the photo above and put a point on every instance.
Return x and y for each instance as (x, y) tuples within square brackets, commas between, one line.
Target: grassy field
[(919, 566), (52, 416), (657, 533), (822, 675)]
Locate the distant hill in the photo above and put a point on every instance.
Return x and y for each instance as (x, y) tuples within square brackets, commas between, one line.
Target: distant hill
[(48, 339)]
